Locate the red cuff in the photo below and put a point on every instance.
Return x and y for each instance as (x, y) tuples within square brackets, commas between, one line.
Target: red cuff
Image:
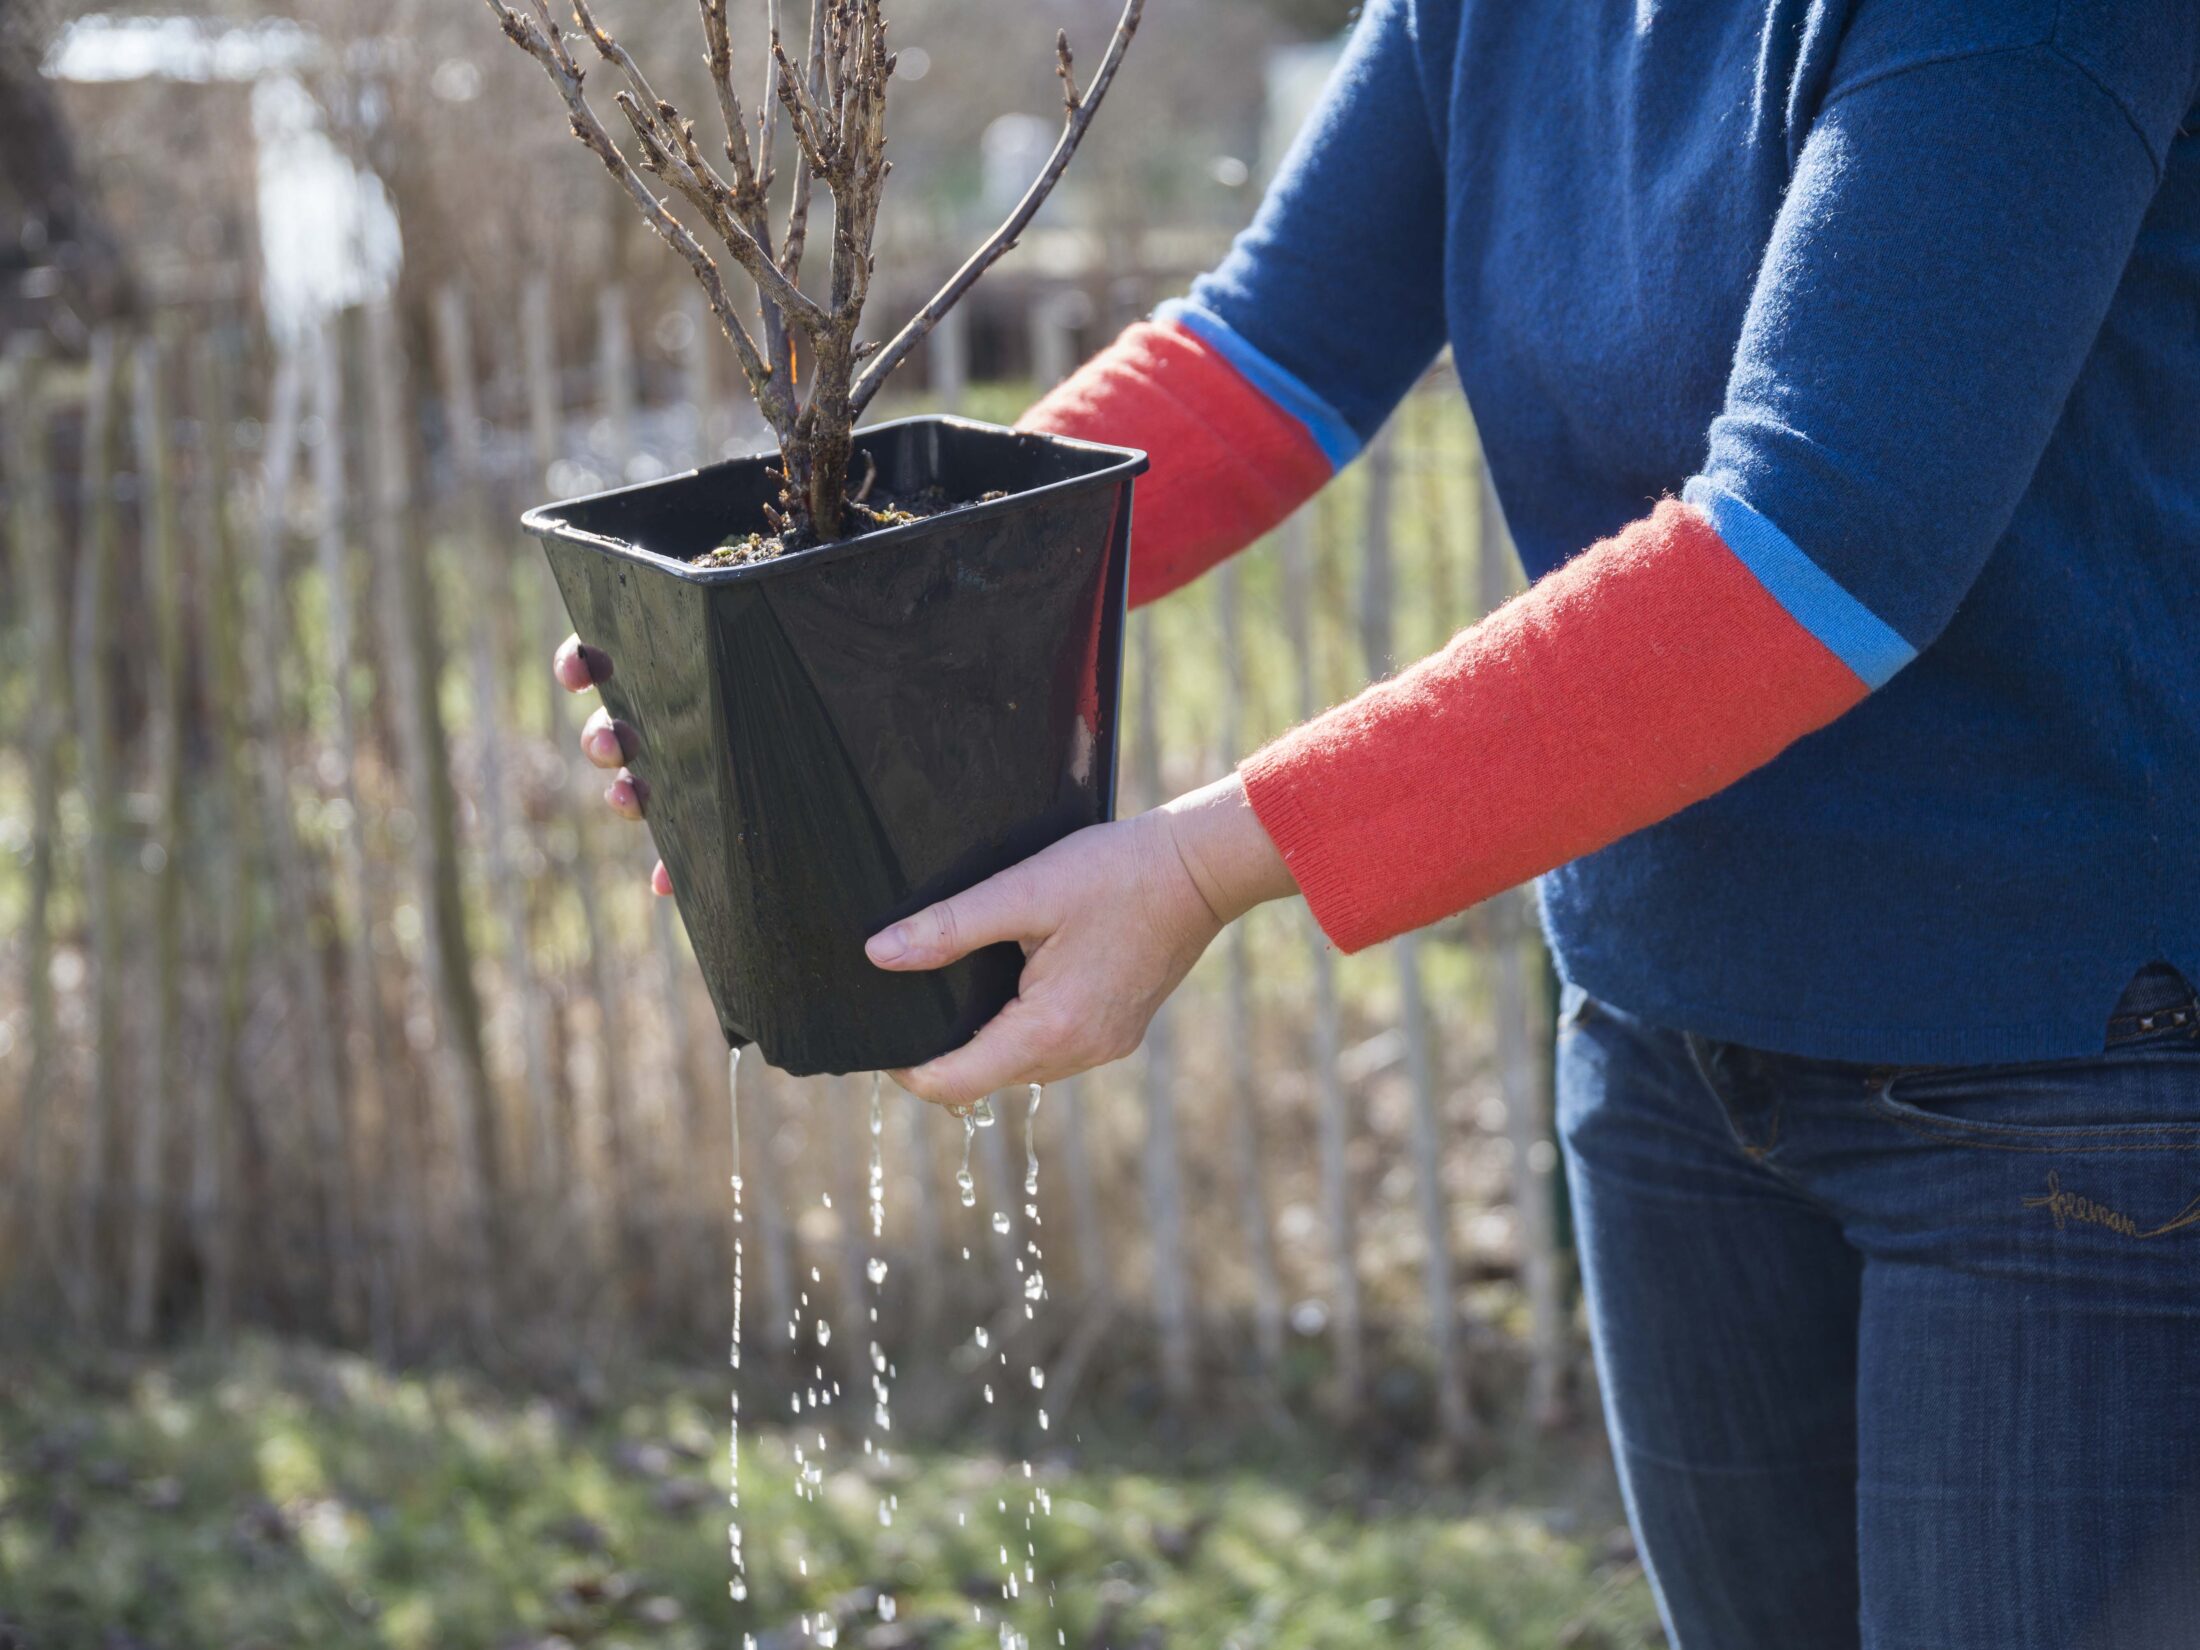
[(1648, 673), (1228, 464)]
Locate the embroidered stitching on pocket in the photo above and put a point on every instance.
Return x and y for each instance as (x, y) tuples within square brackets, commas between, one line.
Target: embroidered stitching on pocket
[(2066, 1207)]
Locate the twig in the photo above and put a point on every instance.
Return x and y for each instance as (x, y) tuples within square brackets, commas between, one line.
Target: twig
[(541, 40), (1080, 110)]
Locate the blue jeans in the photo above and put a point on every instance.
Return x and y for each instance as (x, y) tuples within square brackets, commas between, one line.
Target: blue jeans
[(1900, 1358)]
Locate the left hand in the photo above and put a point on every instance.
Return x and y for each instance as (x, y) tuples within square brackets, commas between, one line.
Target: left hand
[(1110, 919)]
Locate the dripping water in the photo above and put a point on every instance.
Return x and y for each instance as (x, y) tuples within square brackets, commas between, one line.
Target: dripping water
[(737, 1588)]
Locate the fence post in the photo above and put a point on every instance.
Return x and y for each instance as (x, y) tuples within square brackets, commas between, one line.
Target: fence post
[(539, 373), (615, 391), (760, 1101), (1053, 321), (947, 356), (1333, 1106), (1088, 1233), (480, 560), (212, 1212), (1172, 1293), (1377, 635), (1245, 1120), (164, 581), (294, 898), (98, 763), (918, 1153), (1527, 1119), (34, 532), (415, 651), (365, 1046)]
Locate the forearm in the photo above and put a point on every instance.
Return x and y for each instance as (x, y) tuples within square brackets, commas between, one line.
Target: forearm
[(1228, 463), (1651, 671)]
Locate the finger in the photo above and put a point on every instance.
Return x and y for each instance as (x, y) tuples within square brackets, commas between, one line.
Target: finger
[(660, 881), (1004, 907), (1012, 1048), (628, 794), (579, 667), (606, 742)]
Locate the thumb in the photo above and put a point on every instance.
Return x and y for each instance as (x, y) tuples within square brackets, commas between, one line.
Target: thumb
[(1003, 907)]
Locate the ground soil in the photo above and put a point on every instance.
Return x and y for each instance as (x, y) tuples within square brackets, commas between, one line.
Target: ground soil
[(888, 510)]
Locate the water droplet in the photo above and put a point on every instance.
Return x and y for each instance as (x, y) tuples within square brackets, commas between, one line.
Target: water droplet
[(886, 1607), (876, 1270), (1031, 1141), (964, 1182), (1038, 1378), (982, 1113), (1000, 1221)]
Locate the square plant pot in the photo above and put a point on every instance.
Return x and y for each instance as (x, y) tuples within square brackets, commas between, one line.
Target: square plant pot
[(836, 738)]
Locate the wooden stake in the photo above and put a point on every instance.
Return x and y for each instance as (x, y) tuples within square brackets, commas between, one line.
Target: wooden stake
[(312, 1019), (1245, 1096), (415, 650), (99, 763), (1333, 1108), (1506, 925), (164, 581), (212, 1204), (34, 533), (1378, 597), (1172, 1286)]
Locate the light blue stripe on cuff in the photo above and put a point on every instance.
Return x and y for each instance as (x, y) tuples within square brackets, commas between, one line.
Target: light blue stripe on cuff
[(1852, 632), (1339, 442)]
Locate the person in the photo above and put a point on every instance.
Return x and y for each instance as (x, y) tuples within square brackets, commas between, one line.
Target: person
[(1838, 370)]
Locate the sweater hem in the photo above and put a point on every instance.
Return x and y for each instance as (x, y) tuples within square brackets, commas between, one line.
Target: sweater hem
[(2046, 1037), (1324, 878)]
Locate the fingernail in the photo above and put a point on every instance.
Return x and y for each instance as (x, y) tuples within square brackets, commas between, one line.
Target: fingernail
[(890, 946)]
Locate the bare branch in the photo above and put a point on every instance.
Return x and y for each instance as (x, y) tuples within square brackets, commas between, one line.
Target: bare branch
[(718, 52), (542, 41), (798, 213), (1081, 109), (811, 129), (615, 54)]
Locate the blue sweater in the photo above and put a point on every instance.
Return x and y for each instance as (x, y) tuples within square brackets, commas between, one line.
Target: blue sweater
[(1905, 292)]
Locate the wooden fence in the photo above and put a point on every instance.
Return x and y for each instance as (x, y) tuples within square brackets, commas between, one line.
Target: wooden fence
[(334, 1001)]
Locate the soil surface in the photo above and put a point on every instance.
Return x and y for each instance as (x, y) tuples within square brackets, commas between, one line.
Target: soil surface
[(890, 510)]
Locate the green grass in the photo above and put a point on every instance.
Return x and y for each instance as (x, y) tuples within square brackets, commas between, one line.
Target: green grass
[(285, 1497)]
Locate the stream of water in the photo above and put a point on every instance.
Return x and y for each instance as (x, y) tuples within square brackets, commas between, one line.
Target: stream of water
[(814, 1402), (738, 1587)]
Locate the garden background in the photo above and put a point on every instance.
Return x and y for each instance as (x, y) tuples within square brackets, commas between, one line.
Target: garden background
[(366, 1253)]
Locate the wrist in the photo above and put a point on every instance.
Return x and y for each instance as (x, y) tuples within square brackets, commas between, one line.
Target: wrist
[(1225, 849)]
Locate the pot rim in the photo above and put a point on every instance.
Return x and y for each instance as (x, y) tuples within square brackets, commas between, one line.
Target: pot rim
[(547, 521)]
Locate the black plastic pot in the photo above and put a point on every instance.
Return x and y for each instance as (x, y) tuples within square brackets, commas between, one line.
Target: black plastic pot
[(842, 736)]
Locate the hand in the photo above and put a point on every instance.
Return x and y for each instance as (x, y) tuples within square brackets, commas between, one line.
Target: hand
[(605, 741), (1110, 919)]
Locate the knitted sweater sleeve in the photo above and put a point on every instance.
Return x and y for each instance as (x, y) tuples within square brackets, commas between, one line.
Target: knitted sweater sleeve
[(1265, 380), (1939, 272)]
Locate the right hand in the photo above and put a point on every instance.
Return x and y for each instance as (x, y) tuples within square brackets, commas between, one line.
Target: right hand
[(606, 741)]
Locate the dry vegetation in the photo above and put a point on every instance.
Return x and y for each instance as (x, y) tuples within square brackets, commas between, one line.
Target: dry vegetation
[(836, 104)]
